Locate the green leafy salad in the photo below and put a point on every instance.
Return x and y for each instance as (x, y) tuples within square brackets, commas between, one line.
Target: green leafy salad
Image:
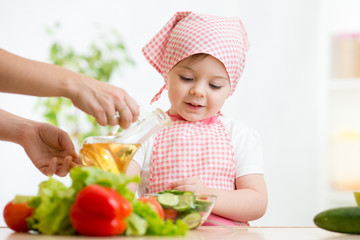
[(53, 202)]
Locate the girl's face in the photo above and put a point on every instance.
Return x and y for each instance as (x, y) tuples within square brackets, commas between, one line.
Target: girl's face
[(198, 87)]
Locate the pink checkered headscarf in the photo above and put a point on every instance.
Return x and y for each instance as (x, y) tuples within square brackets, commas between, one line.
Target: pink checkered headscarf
[(188, 33)]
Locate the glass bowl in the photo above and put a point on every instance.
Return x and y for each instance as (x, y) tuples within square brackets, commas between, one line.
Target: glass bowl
[(191, 208)]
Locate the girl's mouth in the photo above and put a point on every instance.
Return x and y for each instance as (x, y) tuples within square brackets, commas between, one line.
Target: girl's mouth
[(194, 106)]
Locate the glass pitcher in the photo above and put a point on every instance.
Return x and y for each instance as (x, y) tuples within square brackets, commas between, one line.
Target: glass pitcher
[(115, 151)]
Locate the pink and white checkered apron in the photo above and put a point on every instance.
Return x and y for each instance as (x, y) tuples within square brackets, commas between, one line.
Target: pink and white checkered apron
[(200, 149), (188, 33)]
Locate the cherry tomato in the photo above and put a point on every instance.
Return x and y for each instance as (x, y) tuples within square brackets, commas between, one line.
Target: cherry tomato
[(154, 204), (170, 213), (15, 215)]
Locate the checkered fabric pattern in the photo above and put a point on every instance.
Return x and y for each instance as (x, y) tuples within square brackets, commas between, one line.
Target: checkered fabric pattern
[(199, 149), (188, 33)]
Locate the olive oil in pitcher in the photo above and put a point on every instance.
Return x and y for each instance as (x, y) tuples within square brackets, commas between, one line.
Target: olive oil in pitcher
[(114, 152), (114, 157)]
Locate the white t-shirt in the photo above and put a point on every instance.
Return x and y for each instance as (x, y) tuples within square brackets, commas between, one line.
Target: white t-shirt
[(247, 148)]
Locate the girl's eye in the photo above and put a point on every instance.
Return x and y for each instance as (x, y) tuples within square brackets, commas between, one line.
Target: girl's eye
[(215, 86), (185, 78)]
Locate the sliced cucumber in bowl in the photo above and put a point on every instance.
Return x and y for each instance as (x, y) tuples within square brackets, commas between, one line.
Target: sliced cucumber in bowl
[(168, 200), (193, 219), (185, 206), (186, 202)]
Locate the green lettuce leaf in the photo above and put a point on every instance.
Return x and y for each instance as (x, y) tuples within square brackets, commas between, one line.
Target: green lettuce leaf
[(22, 199), (157, 226), (135, 225), (52, 205), (83, 176)]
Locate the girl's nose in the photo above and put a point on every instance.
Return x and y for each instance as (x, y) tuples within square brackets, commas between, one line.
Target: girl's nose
[(197, 90)]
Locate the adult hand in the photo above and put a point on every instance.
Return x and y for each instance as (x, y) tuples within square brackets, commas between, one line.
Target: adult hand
[(99, 99), (194, 185), (103, 101), (49, 148)]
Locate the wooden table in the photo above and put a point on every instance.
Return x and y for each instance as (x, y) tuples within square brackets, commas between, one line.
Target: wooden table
[(205, 233)]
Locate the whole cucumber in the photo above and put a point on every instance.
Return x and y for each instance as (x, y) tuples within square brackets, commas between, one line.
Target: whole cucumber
[(343, 220)]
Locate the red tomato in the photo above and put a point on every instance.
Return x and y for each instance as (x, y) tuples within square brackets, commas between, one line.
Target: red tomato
[(170, 213), (103, 201), (154, 204), (15, 215), (88, 224)]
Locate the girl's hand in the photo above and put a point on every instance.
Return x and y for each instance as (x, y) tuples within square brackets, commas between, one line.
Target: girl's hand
[(194, 185)]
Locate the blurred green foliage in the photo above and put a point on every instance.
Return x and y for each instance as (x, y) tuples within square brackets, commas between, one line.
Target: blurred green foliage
[(105, 56)]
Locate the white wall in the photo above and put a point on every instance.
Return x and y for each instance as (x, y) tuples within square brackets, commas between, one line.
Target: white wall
[(277, 94)]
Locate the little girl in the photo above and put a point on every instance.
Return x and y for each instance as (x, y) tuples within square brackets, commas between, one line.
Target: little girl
[(201, 58)]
